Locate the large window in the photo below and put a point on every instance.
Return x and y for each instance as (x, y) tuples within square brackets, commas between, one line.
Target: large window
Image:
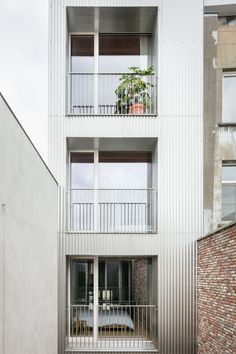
[(229, 191), (115, 281), (229, 98), (115, 52), (111, 191), (96, 64), (117, 169)]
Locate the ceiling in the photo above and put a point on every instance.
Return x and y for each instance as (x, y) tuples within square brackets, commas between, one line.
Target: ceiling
[(111, 19)]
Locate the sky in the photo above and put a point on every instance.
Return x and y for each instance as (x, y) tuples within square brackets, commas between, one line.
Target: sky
[(24, 65)]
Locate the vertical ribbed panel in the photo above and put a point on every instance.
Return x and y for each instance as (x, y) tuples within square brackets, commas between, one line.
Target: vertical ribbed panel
[(179, 132), (180, 73), (112, 126), (111, 244)]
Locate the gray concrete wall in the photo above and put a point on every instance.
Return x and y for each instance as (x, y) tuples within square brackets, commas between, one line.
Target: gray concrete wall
[(219, 141), (28, 244), (209, 97)]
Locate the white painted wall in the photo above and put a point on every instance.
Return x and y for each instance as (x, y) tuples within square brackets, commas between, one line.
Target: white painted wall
[(28, 244)]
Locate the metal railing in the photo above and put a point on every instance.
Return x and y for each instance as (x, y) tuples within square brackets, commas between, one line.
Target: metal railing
[(112, 210), (118, 326), (94, 94)]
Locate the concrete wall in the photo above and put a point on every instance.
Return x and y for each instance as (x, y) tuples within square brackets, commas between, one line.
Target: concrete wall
[(219, 139), (216, 292), (28, 244)]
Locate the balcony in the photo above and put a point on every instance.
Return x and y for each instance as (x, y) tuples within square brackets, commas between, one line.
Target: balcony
[(94, 94), (112, 210), (118, 327)]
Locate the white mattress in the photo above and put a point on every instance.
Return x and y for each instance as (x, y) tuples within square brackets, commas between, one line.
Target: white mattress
[(106, 317)]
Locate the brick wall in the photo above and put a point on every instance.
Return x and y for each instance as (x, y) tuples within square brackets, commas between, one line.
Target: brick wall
[(216, 292), (140, 279)]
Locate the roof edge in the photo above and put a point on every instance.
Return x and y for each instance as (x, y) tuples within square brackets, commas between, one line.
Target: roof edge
[(27, 136)]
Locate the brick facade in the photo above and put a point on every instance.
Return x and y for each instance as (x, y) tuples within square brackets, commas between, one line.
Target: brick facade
[(216, 292)]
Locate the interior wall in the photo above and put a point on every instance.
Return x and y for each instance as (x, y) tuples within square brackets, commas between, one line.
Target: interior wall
[(140, 281)]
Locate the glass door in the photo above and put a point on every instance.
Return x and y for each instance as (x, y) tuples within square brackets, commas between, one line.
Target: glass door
[(82, 61), (82, 209)]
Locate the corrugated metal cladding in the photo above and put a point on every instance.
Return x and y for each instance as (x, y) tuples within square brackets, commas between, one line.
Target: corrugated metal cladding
[(179, 133), (92, 352), (104, 126), (115, 244)]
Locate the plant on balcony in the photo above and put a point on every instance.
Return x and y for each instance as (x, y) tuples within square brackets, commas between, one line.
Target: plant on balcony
[(132, 93)]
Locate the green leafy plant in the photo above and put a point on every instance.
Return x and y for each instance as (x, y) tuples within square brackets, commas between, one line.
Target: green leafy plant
[(133, 89)]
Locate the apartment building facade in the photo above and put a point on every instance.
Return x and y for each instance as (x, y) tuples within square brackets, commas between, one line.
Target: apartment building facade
[(130, 181)]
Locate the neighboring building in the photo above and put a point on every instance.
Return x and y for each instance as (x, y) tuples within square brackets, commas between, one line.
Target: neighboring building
[(220, 118), (28, 244), (216, 292)]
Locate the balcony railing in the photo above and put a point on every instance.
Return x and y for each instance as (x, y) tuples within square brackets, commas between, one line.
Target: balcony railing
[(117, 326), (112, 210), (94, 94)]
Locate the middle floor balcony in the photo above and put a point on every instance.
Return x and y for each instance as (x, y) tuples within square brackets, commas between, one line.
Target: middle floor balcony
[(112, 210)]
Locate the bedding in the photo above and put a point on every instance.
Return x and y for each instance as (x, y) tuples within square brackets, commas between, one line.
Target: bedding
[(116, 317)]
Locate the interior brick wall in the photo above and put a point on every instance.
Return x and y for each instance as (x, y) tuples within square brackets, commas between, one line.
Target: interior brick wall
[(140, 279), (216, 292)]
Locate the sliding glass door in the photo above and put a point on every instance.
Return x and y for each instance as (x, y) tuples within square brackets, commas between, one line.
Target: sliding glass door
[(81, 280), (115, 281)]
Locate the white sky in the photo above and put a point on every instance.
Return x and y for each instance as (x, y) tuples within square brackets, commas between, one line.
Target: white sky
[(24, 65)]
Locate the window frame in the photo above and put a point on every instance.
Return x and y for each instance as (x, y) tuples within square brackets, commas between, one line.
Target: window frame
[(227, 183), (224, 75)]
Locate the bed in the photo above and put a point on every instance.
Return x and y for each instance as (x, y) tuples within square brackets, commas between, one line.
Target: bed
[(115, 318)]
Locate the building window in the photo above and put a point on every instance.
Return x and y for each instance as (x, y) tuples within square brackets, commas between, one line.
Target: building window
[(229, 98), (229, 192)]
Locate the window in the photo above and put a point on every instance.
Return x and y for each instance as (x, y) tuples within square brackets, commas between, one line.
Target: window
[(119, 52), (116, 52), (82, 53), (115, 281), (229, 192), (229, 98), (81, 282)]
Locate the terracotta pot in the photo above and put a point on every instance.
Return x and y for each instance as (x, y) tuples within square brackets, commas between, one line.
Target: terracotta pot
[(137, 108)]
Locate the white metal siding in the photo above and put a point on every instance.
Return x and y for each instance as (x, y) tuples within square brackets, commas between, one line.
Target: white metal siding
[(179, 132), (111, 244)]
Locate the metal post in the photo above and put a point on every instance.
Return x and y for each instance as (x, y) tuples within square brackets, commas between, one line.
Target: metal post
[(96, 191), (95, 301), (96, 58), (68, 300)]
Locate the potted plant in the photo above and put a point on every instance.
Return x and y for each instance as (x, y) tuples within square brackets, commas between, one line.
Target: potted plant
[(132, 92)]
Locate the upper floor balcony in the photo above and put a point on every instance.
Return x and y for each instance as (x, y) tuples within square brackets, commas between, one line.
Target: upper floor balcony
[(112, 61), (112, 93)]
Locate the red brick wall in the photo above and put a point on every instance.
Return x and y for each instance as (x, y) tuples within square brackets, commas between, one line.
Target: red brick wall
[(216, 292)]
